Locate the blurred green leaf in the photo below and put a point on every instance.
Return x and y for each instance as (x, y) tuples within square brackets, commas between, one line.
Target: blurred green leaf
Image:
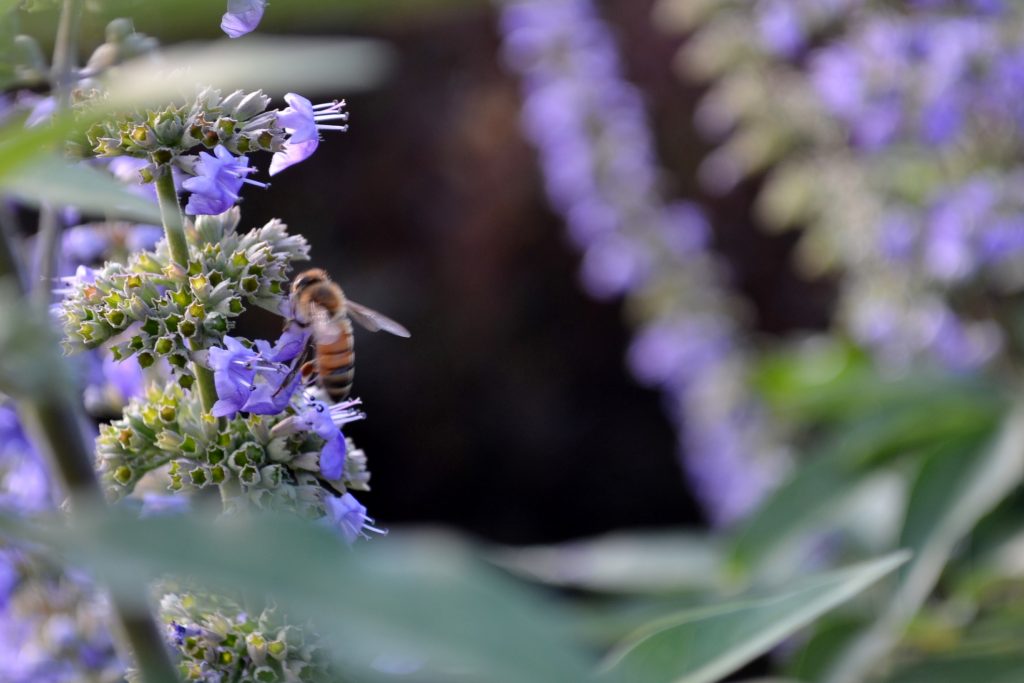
[(417, 596), (831, 635), (966, 497), (703, 645), (985, 668), (938, 483), (842, 461), (827, 380), (203, 16), (603, 621), (650, 562), (276, 65), (31, 365), (54, 180)]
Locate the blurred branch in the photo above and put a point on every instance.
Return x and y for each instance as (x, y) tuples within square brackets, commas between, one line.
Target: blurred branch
[(993, 478)]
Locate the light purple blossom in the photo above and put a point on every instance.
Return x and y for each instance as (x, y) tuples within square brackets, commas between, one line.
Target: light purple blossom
[(348, 516), (243, 16), (234, 369), (326, 422), (256, 380), (303, 121), (219, 177)]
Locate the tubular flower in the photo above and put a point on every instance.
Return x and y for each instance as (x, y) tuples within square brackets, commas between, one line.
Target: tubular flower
[(243, 16), (255, 381), (326, 422), (348, 515), (302, 121), (219, 177)]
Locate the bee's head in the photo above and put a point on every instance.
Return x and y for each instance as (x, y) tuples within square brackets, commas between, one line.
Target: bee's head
[(308, 278)]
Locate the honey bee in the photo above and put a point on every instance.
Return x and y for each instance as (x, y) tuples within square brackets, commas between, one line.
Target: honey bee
[(318, 303)]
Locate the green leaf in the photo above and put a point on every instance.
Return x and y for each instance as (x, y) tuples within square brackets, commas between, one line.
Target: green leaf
[(704, 645), (420, 596), (824, 380), (53, 180), (985, 668), (840, 463), (650, 562), (967, 489)]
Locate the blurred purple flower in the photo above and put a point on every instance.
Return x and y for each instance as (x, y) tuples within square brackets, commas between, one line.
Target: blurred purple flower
[(589, 126), (781, 27), (243, 16)]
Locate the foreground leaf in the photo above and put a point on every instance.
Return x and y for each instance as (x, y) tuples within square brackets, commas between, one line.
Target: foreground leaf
[(968, 488), (421, 597), (703, 645), (836, 467), (52, 180)]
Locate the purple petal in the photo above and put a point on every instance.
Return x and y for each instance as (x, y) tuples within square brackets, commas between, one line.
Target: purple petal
[(332, 458), (243, 16), (292, 154)]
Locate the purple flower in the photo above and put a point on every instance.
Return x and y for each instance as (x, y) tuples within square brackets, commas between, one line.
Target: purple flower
[(303, 121), (234, 369), (287, 347), (348, 516), (258, 381), (125, 376), (326, 422), (24, 485), (219, 177), (243, 16), (781, 27)]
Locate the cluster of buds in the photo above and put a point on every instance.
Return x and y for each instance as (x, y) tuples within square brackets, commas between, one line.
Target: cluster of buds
[(219, 641), (153, 308)]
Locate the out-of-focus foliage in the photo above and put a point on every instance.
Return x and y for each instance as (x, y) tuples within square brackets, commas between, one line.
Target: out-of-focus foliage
[(889, 134)]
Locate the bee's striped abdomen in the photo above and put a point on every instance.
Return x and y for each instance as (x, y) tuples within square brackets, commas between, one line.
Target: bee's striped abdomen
[(336, 363)]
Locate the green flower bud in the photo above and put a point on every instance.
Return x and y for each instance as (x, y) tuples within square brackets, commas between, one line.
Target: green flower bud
[(199, 477), (123, 475), (146, 359), (187, 328), (164, 345), (256, 647)]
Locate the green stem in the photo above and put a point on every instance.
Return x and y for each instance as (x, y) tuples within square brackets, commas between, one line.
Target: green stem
[(170, 212), (174, 229), (62, 79), (48, 251)]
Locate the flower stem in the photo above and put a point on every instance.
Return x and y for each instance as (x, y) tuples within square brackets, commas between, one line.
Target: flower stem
[(174, 229), (170, 212), (62, 78)]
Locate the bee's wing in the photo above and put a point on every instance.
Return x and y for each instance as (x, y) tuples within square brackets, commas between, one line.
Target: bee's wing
[(374, 321), (325, 331)]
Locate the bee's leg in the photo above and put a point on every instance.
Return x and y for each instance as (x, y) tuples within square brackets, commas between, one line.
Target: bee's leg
[(308, 371), (297, 364)]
